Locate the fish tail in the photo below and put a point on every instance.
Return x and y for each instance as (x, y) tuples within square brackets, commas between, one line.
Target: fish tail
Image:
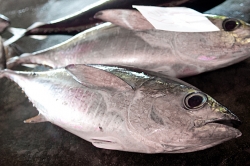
[(17, 60), (2, 56)]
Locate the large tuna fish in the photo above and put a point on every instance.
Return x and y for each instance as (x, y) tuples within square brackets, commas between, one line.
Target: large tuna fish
[(135, 43), (120, 109)]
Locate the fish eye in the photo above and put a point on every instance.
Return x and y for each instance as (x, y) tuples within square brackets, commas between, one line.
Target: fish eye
[(195, 100), (230, 24)]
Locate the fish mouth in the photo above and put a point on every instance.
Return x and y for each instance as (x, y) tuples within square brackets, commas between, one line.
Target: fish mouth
[(227, 122), (232, 123)]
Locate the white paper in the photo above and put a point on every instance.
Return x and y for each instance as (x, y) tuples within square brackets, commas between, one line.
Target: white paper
[(180, 19)]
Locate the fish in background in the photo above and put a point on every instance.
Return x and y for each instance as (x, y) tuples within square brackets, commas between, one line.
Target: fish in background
[(132, 41), (5, 26), (127, 109), (233, 8), (83, 19)]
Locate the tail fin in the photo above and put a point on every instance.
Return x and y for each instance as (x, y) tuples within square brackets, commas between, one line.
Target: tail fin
[(21, 31), (2, 55)]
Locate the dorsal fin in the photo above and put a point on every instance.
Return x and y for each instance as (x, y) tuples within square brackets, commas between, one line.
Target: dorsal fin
[(130, 19), (117, 78), (97, 78), (132, 76), (136, 77)]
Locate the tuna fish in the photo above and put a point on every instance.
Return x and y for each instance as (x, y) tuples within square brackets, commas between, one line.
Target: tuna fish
[(128, 110), (135, 43)]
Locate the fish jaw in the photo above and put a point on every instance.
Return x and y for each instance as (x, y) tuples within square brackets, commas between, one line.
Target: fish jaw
[(203, 140)]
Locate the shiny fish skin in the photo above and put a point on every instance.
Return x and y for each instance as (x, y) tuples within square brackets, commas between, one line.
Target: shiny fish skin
[(176, 54), (127, 110)]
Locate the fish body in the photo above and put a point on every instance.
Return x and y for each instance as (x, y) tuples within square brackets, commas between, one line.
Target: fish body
[(135, 43), (128, 110), (4, 23)]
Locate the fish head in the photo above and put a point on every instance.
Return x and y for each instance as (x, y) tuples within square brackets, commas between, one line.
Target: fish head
[(175, 117), (233, 41), (237, 28), (198, 52)]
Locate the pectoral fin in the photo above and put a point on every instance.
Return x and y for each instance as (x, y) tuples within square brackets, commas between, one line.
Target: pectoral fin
[(129, 19), (106, 144), (37, 119), (97, 78)]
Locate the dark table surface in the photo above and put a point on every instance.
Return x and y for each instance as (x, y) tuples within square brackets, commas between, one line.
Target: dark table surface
[(47, 144)]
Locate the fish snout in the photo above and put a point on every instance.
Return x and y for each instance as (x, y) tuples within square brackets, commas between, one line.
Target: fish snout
[(227, 118), (219, 114)]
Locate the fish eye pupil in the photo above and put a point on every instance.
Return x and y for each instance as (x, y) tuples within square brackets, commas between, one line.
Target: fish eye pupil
[(195, 101), (230, 24)]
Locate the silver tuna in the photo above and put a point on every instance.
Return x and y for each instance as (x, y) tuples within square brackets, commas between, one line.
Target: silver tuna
[(135, 43), (127, 110)]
